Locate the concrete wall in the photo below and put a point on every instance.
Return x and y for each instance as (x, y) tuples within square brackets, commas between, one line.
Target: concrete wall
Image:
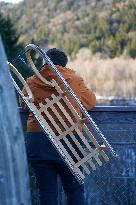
[(14, 179)]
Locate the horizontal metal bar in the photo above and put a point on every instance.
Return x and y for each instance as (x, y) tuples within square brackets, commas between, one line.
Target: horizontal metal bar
[(122, 178), (114, 109), (124, 143)]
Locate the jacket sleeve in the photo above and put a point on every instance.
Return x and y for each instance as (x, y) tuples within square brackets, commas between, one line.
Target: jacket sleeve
[(21, 102), (86, 96)]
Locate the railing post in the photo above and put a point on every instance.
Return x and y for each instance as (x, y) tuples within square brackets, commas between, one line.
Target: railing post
[(14, 180)]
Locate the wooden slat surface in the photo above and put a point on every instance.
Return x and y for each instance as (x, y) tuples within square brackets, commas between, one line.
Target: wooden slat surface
[(52, 133), (95, 143), (87, 158), (77, 130), (80, 134), (65, 138), (50, 103), (41, 118)]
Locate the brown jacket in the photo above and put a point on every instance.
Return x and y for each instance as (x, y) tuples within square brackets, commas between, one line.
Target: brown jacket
[(40, 92)]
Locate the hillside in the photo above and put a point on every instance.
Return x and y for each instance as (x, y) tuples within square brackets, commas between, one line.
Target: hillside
[(105, 26), (98, 35)]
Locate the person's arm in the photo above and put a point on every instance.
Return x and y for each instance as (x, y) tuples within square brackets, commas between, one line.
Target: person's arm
[(21, 102), (86, 96)]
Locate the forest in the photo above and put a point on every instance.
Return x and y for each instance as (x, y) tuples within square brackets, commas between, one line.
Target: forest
[(107, 27), (88, 31)]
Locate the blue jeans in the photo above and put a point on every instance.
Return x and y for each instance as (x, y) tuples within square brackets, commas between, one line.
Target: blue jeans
[(47, 165)]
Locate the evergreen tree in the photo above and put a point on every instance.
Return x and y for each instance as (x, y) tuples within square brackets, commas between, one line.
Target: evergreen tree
[(9, 37)]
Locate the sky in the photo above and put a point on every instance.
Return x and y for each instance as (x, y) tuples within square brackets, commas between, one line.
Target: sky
[(11, 1)]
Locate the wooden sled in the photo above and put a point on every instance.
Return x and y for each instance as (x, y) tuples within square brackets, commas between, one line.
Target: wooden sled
[(81, 152)]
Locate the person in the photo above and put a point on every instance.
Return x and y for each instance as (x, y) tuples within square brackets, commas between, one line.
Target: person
[(43, 157)]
